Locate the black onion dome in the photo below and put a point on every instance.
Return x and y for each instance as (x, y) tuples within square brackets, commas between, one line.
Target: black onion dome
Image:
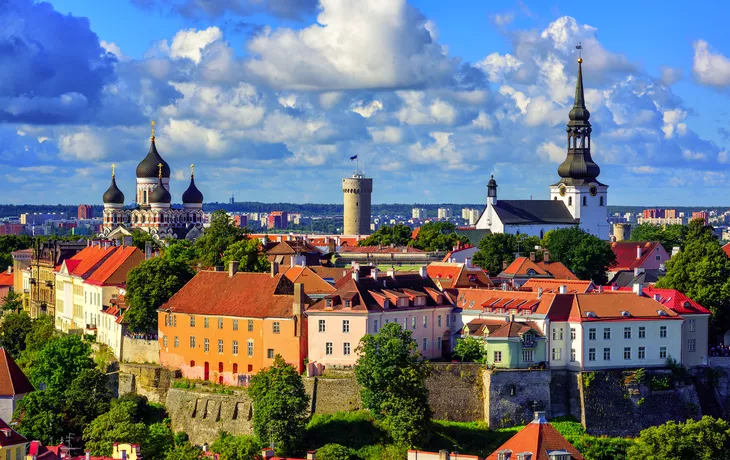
[(113, 195), (160, 194), (192, 194), (148, 168), (492, 182)]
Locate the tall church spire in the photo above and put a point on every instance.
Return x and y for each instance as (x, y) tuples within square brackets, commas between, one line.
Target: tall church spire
[(578, 167)]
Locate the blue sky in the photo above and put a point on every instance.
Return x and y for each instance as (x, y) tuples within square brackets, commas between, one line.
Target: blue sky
[(270, 98)]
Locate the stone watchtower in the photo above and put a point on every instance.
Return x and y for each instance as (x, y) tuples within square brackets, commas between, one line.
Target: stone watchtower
[(357, 190)]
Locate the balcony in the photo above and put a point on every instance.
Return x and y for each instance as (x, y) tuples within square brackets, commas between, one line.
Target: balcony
[(529, 343)]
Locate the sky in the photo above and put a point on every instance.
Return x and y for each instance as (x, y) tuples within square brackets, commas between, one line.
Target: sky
[(270, 99)]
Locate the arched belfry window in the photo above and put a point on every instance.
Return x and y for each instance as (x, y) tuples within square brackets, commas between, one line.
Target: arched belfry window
[(570, 201), (584, 201)]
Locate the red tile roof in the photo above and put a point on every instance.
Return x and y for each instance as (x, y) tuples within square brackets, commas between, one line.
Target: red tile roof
[(479, 299), (677, 301), (557, 269), (86, 259), (313, 283), (6, 279), (252, 295), (610, 305), (501, 328), (8, 437), (726, 248), (540, 439), (553, 285), (379, 249), (626, 253), (12, 380), (41, 452), (523, 266), (109, 267), (457, 275)]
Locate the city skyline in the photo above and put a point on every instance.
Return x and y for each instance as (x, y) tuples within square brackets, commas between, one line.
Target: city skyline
[(466, 93)]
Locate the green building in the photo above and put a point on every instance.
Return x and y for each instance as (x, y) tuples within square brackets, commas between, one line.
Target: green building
[(509, 344)]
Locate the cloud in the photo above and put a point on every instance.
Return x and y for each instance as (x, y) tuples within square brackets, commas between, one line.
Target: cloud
[(670, 75), (189, 43), (368, 110), (197, 9), (387, 135), (355, 44), (45, 169), (709, 67), (502, 20), (644, 170), (552, 152)]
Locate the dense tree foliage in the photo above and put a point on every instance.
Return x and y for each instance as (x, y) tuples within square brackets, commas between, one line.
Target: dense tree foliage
[(495, 250), (708, 438), (584, 254), (279, 405), (221, 234), (59, 362), (397, 235), (469, 349), (10, 243), (249, 255), (12, 302), (392, 376), (668, 235), (702, 272), (237, 447), (149, 285), (185, 451), (141, 239), (437, 236), (14, 328), (336, 452), (41, 332)]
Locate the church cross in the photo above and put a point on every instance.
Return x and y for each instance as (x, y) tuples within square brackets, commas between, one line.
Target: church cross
[(113, 168), (153, 128), (159, 167)]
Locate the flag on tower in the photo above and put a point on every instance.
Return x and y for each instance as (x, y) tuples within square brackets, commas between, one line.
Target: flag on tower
[(353, 158)]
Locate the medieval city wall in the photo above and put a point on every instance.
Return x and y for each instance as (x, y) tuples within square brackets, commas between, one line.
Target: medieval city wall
[(513, 396), (140, 350), (149, 380)]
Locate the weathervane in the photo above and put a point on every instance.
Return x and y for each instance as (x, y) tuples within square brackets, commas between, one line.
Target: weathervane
[(192, 170), (579, 47), (159, 167), (153, 129), (113, 168)]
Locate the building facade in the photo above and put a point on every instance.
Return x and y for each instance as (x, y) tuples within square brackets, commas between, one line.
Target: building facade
[(41, 274), (85, 211), (357, 191)]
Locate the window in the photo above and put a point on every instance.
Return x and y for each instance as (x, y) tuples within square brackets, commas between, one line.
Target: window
[(570, 201), (627, 353), (192, 321), (276, 327), (558, 333), (235, 324), (591, 354), (425, 322), (528, 356), (606, 333), (438, 321), (691, 325), (447, 320), (691, 345), (607, 354), (328, 348), (347, 303), (584, 201), (627, 333), (206, 345), (642, 353), (405, 323), (220, 323), (220, 346), (662, 352), (235, 347), (250, 347), (250, 325), (592, 333), (658, 257), (322, 326), (206, 322), (345, 325), (235, 368), (164, 341), (192, 341), (413, 323), (556, 354), (346, 348), (425, 344), (600, 201), (497, 356), (572, 333), (572, 355), (663, 332), (177, 342), (375, 325), (642, 332)]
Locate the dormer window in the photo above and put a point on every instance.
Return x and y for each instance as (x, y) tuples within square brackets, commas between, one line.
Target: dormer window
[(591, 314), (562, 455), (531, 272), (328, 303), (625, 314), (661, 313), (348, 304), (525, 455), (505, 455)]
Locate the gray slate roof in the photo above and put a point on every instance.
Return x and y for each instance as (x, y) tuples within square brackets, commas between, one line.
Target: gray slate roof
[(523, 212), (626, 278), (473, 234)]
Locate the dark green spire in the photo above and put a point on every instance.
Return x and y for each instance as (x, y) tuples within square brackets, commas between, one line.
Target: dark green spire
[(579, 112)]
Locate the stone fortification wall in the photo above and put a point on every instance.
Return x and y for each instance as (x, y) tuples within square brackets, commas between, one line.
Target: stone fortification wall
[(512, 396), (456, 392), (148, 380), (140, 350), (565, 397)]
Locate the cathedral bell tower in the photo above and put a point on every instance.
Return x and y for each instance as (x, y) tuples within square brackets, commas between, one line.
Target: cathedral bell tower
[(578, 187)]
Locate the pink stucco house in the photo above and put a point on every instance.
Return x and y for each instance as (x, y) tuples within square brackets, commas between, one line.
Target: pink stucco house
[(363, 304)]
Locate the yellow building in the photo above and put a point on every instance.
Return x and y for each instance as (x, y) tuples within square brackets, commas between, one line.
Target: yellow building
[(42, 289), (12, 445)]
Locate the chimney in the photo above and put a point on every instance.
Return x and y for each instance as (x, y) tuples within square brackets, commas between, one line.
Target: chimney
[(638, 252), (539, 292), (546, 256), (423, 272), (10, 269), (443, 454), (267, 453), (638, 288), (232, 268), (657, 297), (311, 455), (467, 262), (356, 266), (356, 274), (391, 272), (532, 256), (600, 289), (88, 455), (274, 269), (512, 318), (563, 289)]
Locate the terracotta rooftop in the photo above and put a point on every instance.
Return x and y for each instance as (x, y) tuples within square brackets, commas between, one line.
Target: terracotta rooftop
[(479, 299), (109, 267), (312, 281), (557, 269), (86, 259), (379, 249), (671, 298), (538, 438), (457, 275), (523, 267), (626, 254), (726, 248), (6, 279), (253, 295), (12, 380), (616, 305), (553, 285), (500, 328), (293, 247)]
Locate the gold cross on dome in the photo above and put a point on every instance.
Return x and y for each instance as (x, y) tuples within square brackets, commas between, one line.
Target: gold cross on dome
[(113, 168), (192, 169), (153, 128), (159, 167)]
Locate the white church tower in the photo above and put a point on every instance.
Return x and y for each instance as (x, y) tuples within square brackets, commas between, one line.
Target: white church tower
[(578, 188)]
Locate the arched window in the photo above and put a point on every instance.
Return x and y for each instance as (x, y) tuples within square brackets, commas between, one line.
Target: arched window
[(192, 363), (601, 201), (235, 368), (555, 198), (570, 201), (584, 201), (144, 197), (220, 367)]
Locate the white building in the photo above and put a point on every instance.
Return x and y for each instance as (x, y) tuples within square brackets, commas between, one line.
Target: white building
[(577, 199), (444, 213), (419, 213)]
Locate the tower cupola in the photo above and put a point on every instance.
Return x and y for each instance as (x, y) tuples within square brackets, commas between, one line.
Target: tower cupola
[(113, 197), (492, 190), (148, 168), (192, 197), (160, 197)]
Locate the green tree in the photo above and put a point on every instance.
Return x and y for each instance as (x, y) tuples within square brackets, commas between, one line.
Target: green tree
[(392, 378), (437, 236), (10, 243), (584, 254), (708, 438), (185, 451), (159, 441), (469, 349), (59, 362), (13, 331), (221, 233), (13, 302), (668, 235), (237, 447), (87, 397), (494, 250), (117, 425), (397, 235), (149, 285), (182, 251), (41, 332), (336, 452), (249, 255), (40, 416), (141, 239), (279, 405)]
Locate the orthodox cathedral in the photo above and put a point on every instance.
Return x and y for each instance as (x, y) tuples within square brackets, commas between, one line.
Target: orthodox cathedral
[(577, 199), (153, 212)]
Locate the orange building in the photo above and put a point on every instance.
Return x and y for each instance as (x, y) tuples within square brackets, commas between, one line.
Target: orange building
[(226, 326)]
